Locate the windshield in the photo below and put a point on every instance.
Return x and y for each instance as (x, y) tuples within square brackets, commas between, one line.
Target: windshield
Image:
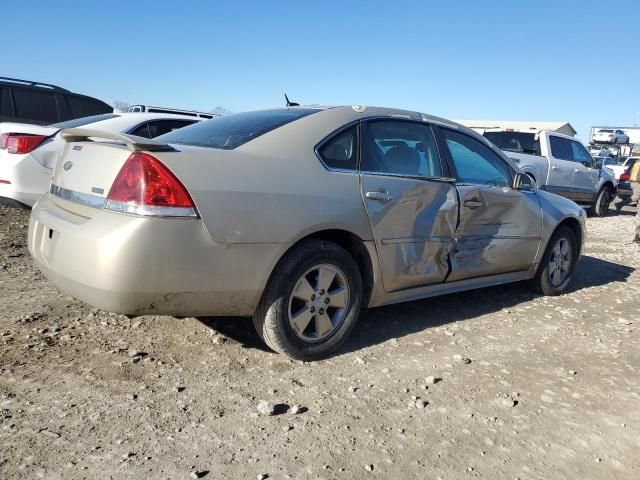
[(605, 131), (233, 130), (520, 142), (78, 122)]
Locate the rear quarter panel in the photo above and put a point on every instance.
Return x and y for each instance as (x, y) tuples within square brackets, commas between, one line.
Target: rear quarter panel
[(274, 188)]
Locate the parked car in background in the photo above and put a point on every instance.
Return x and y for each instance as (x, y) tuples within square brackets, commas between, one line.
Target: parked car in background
[(601, 150), (297, 216), (23, 101), (559, 164), (624, 185), (623, 166), (189, 113), (608, 135), (28, 152), (606, 162)]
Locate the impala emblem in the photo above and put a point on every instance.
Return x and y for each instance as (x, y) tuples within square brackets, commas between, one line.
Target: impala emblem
[(67, 166)]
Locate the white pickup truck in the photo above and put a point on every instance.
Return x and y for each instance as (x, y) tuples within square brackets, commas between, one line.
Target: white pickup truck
[(559, 164)]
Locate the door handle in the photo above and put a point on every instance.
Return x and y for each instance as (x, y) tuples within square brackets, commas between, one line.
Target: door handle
[(472, 203), (554, 167), (383, 197), (576, 170)]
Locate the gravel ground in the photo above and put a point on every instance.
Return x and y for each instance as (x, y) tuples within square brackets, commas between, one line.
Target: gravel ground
[(495, 383)]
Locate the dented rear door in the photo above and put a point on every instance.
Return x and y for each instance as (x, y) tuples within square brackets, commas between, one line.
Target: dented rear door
[(412, 206)]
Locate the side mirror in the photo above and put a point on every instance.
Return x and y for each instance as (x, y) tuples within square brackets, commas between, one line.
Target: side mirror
[(522, 181)]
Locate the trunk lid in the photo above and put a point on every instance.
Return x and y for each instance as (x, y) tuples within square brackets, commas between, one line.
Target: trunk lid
[(86, 169)]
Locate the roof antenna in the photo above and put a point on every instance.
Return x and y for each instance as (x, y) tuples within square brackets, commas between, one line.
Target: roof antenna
[(290, 103)]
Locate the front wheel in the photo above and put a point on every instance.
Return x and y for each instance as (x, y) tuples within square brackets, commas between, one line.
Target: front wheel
[(600, 207), (558, 263), (311, 302)]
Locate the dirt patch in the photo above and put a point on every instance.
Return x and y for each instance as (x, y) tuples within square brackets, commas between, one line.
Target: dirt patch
[(495, 383)]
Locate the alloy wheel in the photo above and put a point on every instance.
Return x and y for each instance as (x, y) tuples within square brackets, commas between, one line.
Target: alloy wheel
[(318, 302), (560, 261)]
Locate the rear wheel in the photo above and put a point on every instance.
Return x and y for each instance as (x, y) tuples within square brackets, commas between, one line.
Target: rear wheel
[(600, 207), (558, 263), (312, 301)]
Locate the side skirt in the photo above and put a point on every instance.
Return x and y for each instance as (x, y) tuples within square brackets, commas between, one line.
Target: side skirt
[(453, 287)]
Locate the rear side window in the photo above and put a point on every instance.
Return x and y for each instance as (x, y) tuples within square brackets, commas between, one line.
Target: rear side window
[(560, 148), (141, 131), (78, 122), (231, 131), (35, 105), (400, 148), (341, 152), (519, 142), (84, 107), (475, 162), (160, 127), (5, 103)]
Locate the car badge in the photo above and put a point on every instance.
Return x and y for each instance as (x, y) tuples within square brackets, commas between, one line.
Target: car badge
[(77, 147), (67, 166)]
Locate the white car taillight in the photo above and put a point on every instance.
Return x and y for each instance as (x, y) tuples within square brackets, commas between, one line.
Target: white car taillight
[(20, 143), (144, 186)]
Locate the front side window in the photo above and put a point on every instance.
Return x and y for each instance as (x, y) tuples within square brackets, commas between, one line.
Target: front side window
[(231, 131), (475, 162), (560, 148), (580, 154), (400, 148), (341, 152)]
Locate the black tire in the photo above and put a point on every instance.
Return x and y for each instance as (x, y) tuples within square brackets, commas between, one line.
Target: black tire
[(271, 318), (600, 207), (542, 282)]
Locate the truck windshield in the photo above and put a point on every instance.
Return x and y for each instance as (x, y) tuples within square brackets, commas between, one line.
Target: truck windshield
[(520, 142)]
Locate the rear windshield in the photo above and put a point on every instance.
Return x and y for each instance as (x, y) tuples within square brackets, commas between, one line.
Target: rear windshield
[(233, 130), (520, 142), (78, 122)]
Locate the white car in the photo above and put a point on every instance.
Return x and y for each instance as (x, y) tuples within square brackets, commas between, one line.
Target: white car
[(601, 151), (623, 167), (28, 152), (610, 135)]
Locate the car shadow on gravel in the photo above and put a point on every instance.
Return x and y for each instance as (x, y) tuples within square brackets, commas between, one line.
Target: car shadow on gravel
[(381, 324)]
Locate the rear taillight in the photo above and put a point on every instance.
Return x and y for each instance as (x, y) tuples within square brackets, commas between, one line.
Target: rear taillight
[(625, 177), (144, 186), (20, 143)]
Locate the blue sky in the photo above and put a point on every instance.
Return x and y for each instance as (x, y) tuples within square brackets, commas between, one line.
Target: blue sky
[(577, 61)]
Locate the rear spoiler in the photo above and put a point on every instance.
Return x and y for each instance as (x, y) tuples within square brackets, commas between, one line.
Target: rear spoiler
[(131, 141)]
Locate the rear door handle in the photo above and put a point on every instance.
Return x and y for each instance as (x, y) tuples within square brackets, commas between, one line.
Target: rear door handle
[(383, 197), (472, 203), (554, 167)]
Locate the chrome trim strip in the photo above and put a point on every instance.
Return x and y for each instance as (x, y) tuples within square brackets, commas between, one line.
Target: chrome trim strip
[(150, 210), (92, 201)]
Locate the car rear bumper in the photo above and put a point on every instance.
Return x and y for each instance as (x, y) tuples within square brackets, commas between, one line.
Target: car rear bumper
[(132, 265), (624, 189), (28, 180)]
